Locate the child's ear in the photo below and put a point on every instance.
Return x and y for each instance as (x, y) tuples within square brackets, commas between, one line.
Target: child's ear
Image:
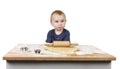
[(65, 20), (51, 24)]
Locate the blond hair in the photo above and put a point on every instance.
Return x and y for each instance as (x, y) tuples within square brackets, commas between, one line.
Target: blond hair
[(57, 12)]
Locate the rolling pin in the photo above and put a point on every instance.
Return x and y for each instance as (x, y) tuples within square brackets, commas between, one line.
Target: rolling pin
[(61, 44)]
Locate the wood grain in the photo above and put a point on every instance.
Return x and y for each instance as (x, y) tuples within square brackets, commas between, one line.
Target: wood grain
[(36, 57)]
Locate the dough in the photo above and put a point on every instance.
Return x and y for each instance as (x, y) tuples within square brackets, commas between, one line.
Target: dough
[(63, 50)]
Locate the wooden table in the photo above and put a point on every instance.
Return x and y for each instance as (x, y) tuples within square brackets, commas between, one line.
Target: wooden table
[(16, 59)]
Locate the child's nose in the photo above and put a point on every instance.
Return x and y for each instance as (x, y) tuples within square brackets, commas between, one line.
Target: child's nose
[(60, 23)]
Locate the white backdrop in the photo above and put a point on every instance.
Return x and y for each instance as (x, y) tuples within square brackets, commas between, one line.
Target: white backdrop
[(90, 22)]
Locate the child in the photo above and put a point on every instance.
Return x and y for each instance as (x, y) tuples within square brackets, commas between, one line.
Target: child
[(59, 33)]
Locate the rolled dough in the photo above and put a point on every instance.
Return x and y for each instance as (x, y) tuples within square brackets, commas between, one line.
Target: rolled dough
[(63, 50)]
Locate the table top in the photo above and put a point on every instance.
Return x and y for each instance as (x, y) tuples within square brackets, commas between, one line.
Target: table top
[(87, 53)]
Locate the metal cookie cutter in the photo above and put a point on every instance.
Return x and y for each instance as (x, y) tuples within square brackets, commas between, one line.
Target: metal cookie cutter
[(24, 48), (37, 51)]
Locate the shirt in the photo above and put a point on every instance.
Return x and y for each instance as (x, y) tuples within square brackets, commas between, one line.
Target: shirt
[(52, 36)]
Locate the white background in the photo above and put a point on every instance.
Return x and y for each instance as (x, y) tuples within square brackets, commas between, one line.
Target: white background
[(90, 22)]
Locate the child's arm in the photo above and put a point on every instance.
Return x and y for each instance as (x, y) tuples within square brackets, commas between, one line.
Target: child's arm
[(49, 38), (67, 38)]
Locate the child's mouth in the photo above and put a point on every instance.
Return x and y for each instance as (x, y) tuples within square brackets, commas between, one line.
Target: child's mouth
[(60, 27)]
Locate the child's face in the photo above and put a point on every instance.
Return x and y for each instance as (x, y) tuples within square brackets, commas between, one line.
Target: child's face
[(58, 21)]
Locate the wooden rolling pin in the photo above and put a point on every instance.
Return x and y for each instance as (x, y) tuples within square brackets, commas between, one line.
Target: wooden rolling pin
[(61, 44)]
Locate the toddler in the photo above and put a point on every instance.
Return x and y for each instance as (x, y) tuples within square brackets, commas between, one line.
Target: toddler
[(59, 33)]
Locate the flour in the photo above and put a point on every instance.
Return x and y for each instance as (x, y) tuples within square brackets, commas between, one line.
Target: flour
[(83, 49), (88, 49)]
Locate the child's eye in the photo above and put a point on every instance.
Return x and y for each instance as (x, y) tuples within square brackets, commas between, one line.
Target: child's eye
[(62, 20), (56, 21)]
